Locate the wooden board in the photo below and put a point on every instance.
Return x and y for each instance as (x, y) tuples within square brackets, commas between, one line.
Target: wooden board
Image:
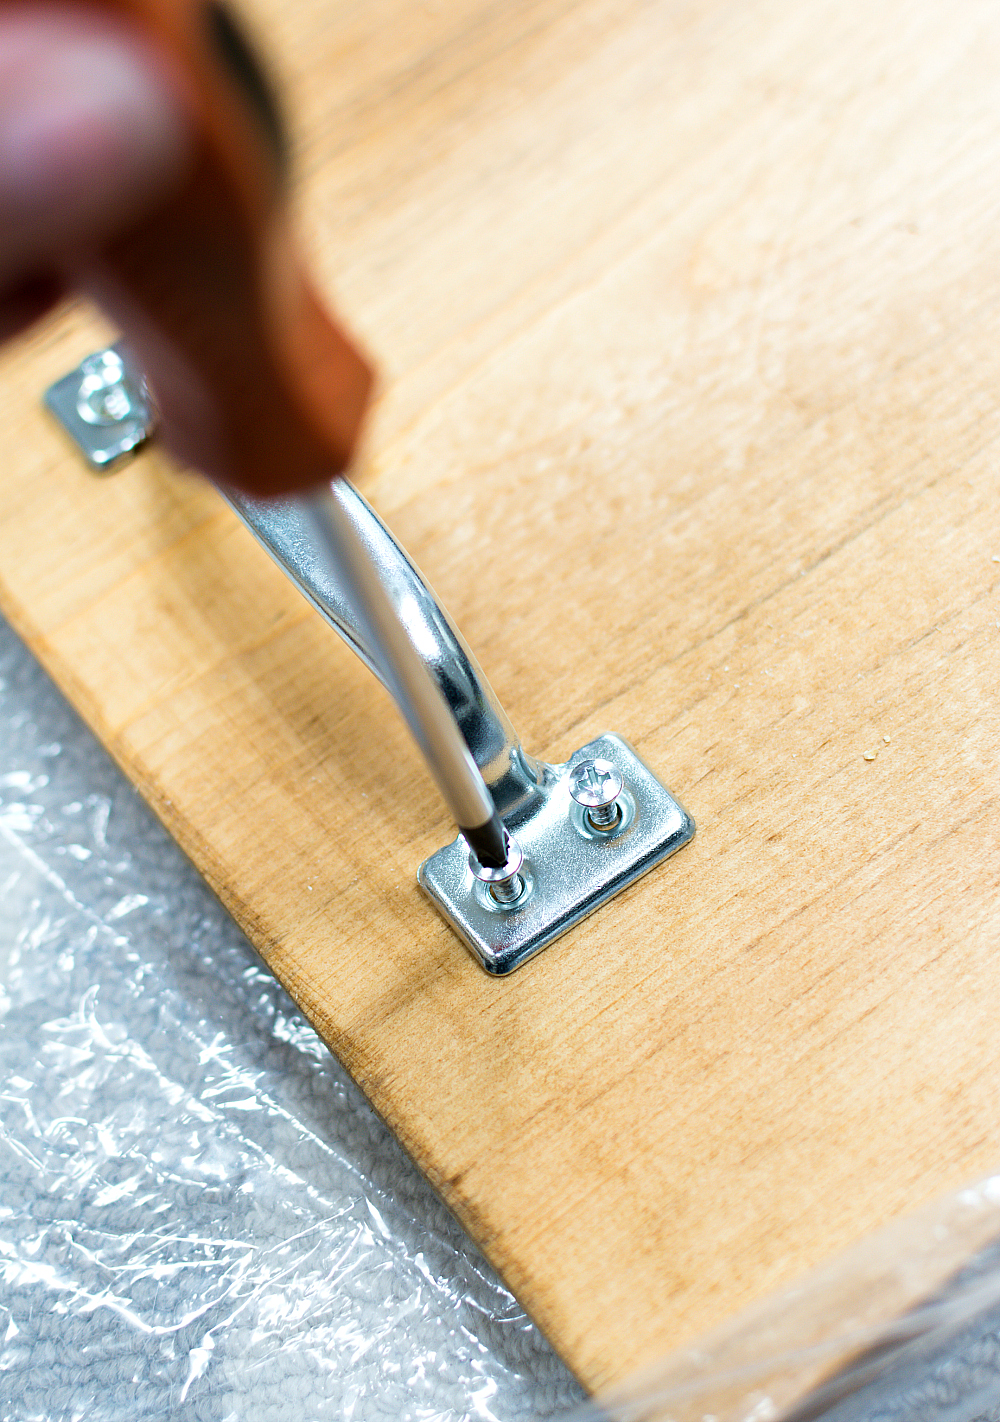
[(688, 320)]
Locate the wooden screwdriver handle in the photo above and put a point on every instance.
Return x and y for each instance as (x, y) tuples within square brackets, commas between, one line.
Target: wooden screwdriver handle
[(257, 384)]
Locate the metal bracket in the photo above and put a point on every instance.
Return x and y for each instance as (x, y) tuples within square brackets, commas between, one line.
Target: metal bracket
[(105, 408), (579, 833), (570, 867)]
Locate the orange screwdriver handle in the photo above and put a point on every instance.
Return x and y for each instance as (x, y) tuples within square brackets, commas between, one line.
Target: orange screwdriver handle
[(256, 383)]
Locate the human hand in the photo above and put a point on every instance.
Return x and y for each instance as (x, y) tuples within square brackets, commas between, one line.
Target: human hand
[(105, 185), (92, 133)]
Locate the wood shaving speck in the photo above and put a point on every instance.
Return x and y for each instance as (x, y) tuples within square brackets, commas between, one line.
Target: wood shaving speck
[(870, 755)]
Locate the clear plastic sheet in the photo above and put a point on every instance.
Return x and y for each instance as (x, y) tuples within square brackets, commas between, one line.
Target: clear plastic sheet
[(200, 1217)]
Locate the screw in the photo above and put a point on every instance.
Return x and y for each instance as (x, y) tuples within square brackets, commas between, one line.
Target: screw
[(107, 395), (505, 886), (596, 785)]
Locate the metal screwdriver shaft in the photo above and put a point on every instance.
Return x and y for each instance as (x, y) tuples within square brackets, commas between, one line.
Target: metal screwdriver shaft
[(418, 696)]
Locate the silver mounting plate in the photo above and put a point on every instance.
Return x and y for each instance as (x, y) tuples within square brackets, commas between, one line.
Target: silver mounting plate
[(105, 407), (570, 869)]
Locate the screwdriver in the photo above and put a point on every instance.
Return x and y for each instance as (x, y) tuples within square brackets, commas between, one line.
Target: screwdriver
[(245, 362)]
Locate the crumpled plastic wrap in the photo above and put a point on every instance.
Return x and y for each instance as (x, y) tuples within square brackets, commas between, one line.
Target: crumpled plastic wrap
[(200, 1216)]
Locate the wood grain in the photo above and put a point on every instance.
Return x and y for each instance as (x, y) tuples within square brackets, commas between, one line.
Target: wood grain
[(688, 320)]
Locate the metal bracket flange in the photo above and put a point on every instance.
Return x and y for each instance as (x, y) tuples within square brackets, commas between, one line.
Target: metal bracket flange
[(105, 408), (569, 869)]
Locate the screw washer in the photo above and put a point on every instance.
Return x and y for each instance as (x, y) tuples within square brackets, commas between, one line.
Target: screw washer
[(596, 785)]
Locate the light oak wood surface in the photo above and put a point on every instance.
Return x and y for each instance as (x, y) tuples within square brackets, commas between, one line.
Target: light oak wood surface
[(688, 317)]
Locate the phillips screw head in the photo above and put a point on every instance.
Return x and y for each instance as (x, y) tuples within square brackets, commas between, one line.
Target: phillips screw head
[(596, 785)]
